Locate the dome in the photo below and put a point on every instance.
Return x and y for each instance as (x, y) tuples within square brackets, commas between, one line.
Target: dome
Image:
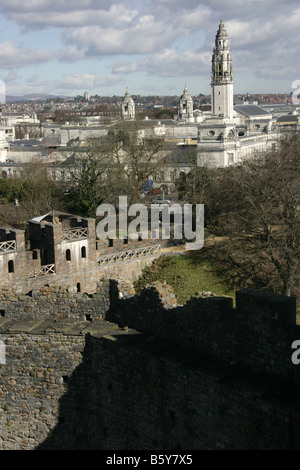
[(127, 98), (222, 33), (186, 95)]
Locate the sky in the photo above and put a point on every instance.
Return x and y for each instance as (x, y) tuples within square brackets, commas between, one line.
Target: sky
[(151, 47)]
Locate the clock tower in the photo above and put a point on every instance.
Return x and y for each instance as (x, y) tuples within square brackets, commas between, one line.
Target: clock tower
[(221, 76)]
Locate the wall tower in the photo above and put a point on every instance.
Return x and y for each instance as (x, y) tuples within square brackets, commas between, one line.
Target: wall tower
[(221, 79)]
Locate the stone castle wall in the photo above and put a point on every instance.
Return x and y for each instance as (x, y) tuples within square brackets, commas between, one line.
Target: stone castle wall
[(141, 372), (258, 332), (51, 301)]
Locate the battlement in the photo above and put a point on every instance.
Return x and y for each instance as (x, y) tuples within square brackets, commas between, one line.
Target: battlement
[(63, 249), (258, 332)]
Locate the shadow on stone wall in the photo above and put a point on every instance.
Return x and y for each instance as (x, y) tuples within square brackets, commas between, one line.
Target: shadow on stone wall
[(199, 376), (79, 420), (137, 392)]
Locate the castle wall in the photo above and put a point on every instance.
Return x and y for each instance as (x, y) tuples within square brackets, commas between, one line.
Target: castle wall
[(258, 332), (75, 384), (55, 302), (32, 383), (63, 251), (199, 376)]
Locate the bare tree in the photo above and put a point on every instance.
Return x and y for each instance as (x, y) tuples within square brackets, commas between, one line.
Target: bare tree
[(88, 173), (36, 193), (137, 155), (258, 205)]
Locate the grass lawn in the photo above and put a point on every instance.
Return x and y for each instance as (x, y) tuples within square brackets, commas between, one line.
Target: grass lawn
[(187, 274)]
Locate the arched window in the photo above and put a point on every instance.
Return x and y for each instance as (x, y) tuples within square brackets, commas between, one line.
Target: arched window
[(68, 255), (78, 287), (83, 252), (11, 268)]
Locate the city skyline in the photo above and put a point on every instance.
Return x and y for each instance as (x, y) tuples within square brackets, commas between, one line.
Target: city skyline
[(151, 48)]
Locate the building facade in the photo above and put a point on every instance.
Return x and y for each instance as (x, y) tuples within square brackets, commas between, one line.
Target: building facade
[(231, 133)]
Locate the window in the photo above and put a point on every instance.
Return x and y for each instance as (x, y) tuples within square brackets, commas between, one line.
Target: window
[(110, 242), (68, 255), (83, 252), (11, 268), (78, 287)]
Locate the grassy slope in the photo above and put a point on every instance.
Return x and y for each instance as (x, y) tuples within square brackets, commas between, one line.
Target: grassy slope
[(187, 274)]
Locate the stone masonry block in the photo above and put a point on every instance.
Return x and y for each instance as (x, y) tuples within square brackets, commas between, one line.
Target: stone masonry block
[(267, 306)]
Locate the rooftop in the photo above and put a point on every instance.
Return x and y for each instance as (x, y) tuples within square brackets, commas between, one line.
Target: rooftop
[(251, 110)]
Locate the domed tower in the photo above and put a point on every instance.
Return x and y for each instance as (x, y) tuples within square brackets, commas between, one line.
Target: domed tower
[(128, 107), (221, 77), (186, 106)]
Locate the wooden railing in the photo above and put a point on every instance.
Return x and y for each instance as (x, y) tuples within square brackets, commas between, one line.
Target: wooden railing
[(46, 269), (128, 255), (74, 233), (8, 246)]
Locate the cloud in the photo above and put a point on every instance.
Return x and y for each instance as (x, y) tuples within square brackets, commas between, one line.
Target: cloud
[(144, 37), (14, 57), (162, 38), (170, 63), (117, 16), (71, 54), (15, 6), (68, 84), (85, 81), (125, 68), (267, 47)]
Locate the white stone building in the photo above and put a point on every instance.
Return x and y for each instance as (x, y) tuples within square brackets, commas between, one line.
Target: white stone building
[(128, 107), (186, 107), (230, 133)]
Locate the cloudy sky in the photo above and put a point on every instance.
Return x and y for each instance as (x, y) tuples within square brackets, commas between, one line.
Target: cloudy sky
[(67, 47)]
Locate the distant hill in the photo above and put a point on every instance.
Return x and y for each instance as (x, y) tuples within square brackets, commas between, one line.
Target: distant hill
[(31, 97)]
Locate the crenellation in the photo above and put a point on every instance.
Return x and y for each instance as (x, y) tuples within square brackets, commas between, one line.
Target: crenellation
[(266, 307), (62, 249)]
